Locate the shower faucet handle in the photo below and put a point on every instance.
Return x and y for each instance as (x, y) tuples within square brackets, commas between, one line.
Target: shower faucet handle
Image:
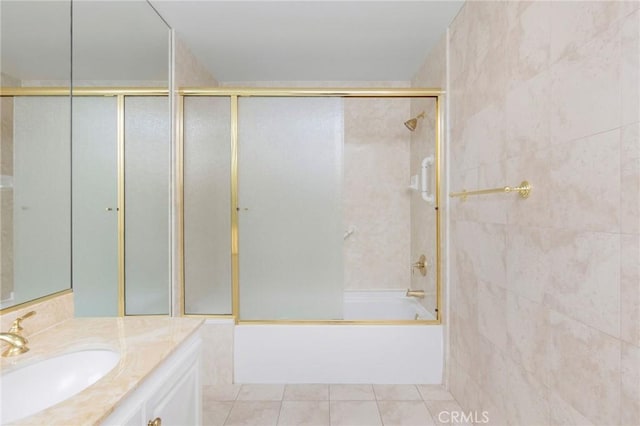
[(421, 265)]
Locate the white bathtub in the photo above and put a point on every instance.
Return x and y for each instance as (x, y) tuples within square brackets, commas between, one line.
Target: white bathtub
[(382, 305), (344, 353)]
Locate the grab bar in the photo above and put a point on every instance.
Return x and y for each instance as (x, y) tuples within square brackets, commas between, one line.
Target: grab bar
[(426, 166)]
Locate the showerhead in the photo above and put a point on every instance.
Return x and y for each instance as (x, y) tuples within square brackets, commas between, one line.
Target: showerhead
[(412, 123)]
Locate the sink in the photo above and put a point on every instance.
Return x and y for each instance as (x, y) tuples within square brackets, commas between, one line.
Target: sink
[(38, 386)]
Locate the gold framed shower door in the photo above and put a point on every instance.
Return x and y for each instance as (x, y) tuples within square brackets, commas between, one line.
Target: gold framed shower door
[(120, 93), (234, 94)]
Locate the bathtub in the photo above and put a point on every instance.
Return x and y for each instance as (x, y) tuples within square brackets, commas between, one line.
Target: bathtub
[(344, 353), (382, 305)]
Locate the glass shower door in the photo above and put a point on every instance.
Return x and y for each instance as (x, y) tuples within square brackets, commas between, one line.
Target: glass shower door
[(41, 197), (147, 166), (144, 178), (207, 205), (290, 154), (95, 209)]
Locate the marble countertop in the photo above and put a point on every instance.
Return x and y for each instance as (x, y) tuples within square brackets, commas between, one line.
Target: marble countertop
[(143, 343)]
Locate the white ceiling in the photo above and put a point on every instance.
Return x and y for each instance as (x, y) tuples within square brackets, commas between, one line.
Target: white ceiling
[(236, 40), (310, 40), (112, 40)]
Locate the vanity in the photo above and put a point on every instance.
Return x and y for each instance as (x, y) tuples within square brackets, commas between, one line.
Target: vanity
[(156, 380)]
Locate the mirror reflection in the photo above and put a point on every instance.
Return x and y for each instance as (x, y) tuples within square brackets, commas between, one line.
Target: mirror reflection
[(121, 160), (63, 185), (35, 148)]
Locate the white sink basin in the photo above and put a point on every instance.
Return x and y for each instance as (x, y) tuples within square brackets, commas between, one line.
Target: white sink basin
[(37, 386)]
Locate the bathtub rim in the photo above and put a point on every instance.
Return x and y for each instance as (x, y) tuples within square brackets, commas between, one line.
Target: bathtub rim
[(351, 295), (237, 321)]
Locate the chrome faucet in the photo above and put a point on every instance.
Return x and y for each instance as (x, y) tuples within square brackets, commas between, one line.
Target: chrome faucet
[(15, 338)]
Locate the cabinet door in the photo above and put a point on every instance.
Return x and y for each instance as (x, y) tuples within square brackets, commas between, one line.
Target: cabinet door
[(179, 404)]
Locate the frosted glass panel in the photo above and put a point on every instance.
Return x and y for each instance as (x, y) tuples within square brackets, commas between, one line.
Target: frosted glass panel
[(41, 191), (290, 208), (207, 205), (147, 205), (95, 216)]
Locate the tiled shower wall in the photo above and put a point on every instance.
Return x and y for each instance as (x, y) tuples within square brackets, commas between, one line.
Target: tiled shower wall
[(545, 292), (375, 197)]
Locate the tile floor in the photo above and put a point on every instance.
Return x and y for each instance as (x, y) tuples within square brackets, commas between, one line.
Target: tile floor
[(326, 405)]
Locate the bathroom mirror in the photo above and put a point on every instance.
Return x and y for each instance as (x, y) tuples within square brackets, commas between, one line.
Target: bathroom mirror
[(121, 144), (35, 150)]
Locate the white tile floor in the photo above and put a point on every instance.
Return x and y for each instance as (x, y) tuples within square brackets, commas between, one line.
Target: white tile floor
[(325, 405)]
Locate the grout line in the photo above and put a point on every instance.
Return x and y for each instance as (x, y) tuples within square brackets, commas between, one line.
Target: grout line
[(233, 404), (379, 412), (279, 412)]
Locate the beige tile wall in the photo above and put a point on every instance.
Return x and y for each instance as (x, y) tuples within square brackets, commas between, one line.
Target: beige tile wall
[(376, 199), (545, 292), (189, 71)]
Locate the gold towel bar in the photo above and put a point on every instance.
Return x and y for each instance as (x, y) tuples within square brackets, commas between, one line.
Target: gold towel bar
[(524, 190)]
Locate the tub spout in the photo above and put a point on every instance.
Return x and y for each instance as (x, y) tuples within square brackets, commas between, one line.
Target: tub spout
[(415, 293)]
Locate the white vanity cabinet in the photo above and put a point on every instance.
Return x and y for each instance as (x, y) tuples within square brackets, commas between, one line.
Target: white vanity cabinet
[(170, 396)]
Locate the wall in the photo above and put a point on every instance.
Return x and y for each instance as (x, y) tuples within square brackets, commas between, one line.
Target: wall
[(189, 71), (375, 194), (545, 292)]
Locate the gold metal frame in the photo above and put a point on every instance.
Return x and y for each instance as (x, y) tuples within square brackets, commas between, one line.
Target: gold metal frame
[(234, 94), (27, 303), (235, 261), (309, 92), (121, 203), (438, 150), (83, 91), (180, 196)]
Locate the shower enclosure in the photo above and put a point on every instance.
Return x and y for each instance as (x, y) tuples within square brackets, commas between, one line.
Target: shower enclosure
[(121, 155), (310, 205)]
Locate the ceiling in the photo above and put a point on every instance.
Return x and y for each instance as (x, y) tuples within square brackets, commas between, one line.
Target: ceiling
[(112, 40), (236, 40), (310, 40)]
